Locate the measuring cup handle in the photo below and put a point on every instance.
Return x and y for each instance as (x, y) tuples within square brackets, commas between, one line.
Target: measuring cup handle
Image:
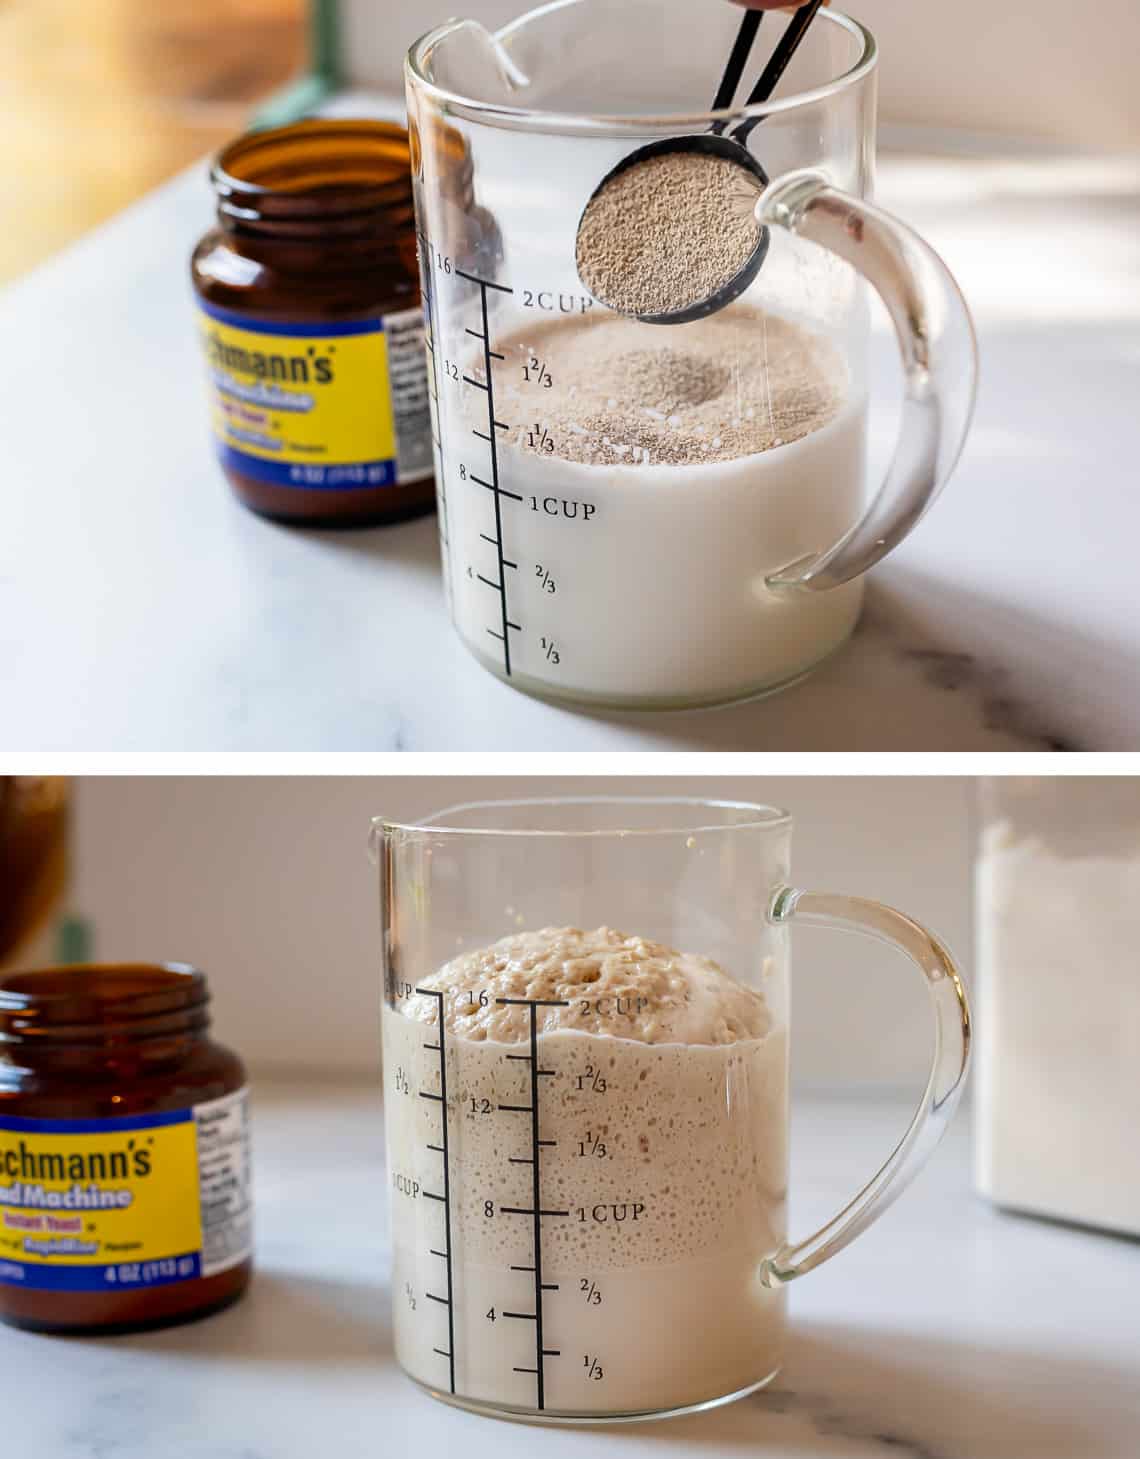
[(939, 350), (952, 1039)]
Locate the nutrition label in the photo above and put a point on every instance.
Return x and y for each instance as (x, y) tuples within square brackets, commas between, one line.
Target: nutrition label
[(224, 1181), (407, 380)]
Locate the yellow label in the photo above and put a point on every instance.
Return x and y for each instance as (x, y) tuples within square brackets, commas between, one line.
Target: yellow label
[(89, 1204), (312, 405)]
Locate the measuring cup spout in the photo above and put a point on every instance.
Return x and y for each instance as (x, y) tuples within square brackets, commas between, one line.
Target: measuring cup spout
[(481, 67), (377, 839)]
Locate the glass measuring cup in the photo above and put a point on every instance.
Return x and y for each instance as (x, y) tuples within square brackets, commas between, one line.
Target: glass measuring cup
[(574, 1182), (578, 566)]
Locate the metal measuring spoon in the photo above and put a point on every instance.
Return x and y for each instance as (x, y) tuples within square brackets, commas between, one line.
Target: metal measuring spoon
[(730, 147)]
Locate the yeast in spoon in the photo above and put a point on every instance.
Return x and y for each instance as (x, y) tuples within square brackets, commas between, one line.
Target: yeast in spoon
[(671, 233)]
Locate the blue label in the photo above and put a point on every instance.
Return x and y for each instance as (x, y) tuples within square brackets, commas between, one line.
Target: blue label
[(319, 478), (116, 1276)]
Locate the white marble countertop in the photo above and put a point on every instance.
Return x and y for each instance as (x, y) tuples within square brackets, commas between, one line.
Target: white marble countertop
[(949, 1331), (142, 609)]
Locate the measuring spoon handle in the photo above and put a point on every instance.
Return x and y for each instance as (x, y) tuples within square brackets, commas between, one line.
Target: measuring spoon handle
[(778, 63), (940, 363), (737, 60)]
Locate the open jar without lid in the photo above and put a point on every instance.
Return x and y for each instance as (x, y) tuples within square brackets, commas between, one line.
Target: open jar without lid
[(308, 289), (124, 1150)]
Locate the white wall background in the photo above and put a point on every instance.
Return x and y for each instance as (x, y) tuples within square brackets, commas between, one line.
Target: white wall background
[(1059, 69), (265, 884)]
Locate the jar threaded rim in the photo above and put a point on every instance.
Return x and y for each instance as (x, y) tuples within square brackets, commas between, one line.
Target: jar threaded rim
[(84, 1003)]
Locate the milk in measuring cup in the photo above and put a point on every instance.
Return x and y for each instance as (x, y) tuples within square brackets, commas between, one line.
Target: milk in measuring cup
[(635, 1097), (650, 480)]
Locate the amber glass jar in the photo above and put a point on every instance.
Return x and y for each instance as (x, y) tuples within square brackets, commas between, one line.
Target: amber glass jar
[(124, 1150), (33, 866), (308, 291)]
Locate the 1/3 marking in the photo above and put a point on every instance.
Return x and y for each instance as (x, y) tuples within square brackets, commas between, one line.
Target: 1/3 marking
[(538, 438)]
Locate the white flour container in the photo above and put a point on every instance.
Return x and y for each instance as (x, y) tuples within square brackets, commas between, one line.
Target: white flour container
[(1058, 920)]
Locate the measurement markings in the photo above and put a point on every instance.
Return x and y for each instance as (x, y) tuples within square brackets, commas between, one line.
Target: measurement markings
[(546, 1286), (487, 385), (536, 1211), (445, 1198), (478, 334), (483, 283), (500, 491), (428, 270), (506, 563)]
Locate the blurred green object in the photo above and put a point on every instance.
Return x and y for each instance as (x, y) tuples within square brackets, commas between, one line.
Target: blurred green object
[(302, 96), (73, 940)]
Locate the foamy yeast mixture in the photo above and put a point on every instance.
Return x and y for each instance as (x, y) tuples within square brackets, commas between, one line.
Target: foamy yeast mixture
[(667, 1108), (656, 475)]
